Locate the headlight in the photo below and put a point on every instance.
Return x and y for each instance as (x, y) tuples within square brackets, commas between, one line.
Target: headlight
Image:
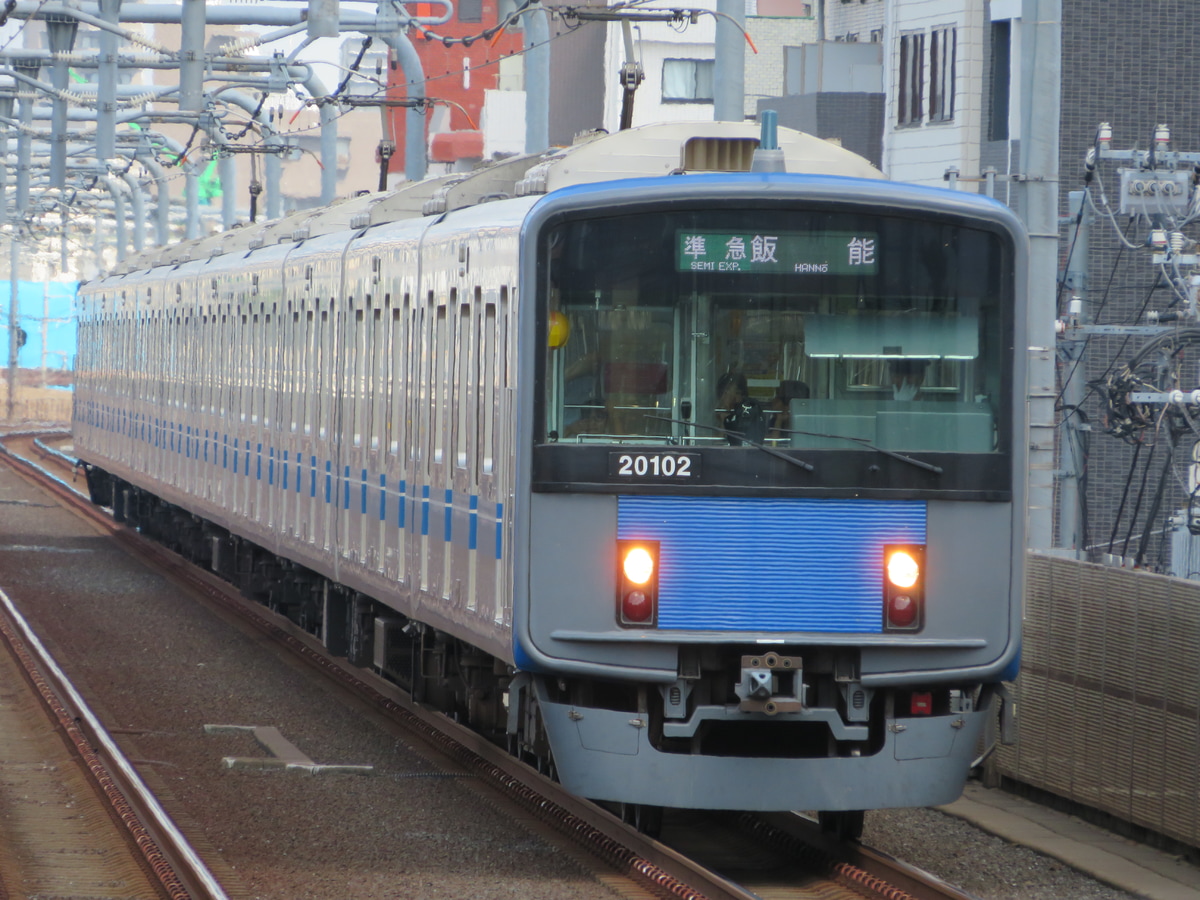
[(903, 587), (638, 565), (902, 569), (637, 583)]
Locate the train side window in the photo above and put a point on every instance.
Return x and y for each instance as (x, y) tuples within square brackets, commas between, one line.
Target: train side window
[(362, 391), (255, 362), (237, 402), (214, 371), (487, 391), (502, 411), (170, 360), (378, 376), (178, 354), (504, 382), (399, 363), (465, 382), (189, 363), (267, 350), (352, 373), (292, 370), (329, 319), (320, 322), (273, 344), (420, 381), (362, 323), (441, 378), (424, 398), (299, 367), (312, 356)]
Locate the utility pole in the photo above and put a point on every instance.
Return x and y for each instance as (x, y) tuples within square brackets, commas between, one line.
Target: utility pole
[(729, 63), (1143, 394), (1071, 346), (1041, 58)]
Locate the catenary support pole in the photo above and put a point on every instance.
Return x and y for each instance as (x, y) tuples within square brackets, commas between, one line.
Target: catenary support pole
[(1074, 378), (729, 66), (1041, 72)]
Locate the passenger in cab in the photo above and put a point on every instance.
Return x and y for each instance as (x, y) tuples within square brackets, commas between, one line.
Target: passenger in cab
[(908, 376)]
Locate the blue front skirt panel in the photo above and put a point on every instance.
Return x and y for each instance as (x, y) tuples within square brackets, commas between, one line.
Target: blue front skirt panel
[(762, 564)]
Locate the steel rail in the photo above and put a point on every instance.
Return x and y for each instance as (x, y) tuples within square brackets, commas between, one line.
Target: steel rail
[(176, 866), (657, 867)]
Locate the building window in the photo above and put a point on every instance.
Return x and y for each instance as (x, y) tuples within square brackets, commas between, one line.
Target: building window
[(470, 10), (1001, 71), (687, 81), (909, 97), (942, 46)]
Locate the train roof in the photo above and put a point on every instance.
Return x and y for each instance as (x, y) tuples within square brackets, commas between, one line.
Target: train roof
[(679, 148)]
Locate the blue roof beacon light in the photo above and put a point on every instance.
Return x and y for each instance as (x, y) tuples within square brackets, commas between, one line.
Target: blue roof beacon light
[(768, 157)]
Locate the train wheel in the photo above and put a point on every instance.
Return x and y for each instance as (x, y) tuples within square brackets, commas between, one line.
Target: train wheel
[(842, 825), (646, 819)]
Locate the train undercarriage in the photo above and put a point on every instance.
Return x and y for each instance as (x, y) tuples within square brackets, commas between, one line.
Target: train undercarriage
[(802, 707)]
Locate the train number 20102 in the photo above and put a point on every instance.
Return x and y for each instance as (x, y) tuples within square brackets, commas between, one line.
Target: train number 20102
[(666, 466)]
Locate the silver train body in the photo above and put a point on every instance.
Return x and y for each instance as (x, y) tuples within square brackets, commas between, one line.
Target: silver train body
[(376, 406)]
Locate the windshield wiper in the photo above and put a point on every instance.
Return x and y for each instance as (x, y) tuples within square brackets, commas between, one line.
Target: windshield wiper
[(919, 463), (770, 451)]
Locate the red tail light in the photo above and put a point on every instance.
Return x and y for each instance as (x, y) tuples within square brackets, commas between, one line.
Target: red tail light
[(637, 583)]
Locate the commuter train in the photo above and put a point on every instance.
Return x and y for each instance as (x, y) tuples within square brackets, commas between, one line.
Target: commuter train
[(697, 482)]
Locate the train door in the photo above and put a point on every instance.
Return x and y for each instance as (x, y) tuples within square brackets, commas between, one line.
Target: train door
[(398, 365), (374, 514), (459, 562), (306, 446), (350, 433), (326, 421)]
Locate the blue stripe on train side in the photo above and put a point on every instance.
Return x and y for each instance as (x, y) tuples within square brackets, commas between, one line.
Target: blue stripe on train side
[(767, 564)]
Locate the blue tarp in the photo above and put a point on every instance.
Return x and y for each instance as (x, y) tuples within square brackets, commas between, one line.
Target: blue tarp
[(45, 310)]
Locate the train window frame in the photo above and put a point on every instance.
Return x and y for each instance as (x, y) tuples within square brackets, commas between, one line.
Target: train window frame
[(464, 384), (378, 371), (488, 393), (966, 474)]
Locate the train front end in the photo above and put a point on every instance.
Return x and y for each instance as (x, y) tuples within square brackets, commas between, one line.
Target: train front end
[(771, 551)]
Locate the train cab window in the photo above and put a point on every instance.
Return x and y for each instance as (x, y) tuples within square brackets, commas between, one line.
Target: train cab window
[(798, 330)]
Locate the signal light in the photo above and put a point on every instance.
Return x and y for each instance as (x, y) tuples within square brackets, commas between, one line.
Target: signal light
[(903, 587), (637, 583)]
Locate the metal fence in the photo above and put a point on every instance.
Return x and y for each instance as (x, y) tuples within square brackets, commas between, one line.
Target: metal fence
[(1109, 693)]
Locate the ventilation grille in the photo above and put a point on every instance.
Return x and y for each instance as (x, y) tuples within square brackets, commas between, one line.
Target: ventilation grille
[(703, 154)]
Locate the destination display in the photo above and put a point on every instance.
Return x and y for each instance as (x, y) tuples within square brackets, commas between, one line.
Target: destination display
[(799, 253)]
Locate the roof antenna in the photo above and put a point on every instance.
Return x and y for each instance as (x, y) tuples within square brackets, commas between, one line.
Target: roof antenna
[(768, 157)]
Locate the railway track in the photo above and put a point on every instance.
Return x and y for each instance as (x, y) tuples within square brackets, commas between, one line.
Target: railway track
[(710, 856), (56, 750)]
